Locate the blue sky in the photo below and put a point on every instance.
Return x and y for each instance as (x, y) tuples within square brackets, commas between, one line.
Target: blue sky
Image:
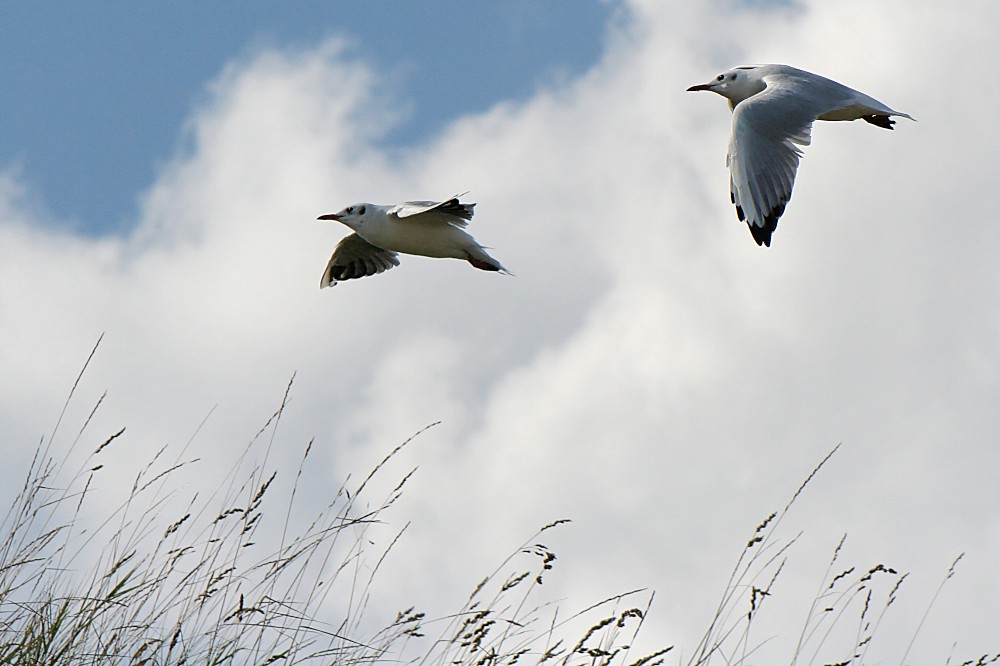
[(96, 95)]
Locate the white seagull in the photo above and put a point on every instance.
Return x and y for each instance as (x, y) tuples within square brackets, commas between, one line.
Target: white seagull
[(427, 228), (774, 107)]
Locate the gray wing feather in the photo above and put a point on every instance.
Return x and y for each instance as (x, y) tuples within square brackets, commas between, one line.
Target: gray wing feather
[(355, 257), (764, 153), (452, 210)]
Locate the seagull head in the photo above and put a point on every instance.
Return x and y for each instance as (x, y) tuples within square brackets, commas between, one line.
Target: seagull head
[(352, 216), (735, 85)]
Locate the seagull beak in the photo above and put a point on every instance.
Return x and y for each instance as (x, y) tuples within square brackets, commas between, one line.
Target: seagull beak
[(331, 216), (700, 86)]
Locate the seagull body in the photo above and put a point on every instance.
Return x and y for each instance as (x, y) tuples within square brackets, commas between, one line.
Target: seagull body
[(774, 107), (426, 228)]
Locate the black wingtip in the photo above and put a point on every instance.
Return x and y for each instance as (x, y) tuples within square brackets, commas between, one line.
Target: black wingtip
[(456, 207), (880, 121), (762, 234)]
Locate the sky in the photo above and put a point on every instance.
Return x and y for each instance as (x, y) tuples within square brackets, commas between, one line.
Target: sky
[(648, 371), (102, 96)]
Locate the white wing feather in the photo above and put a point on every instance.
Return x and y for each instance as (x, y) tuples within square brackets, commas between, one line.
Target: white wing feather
[(355, 257)]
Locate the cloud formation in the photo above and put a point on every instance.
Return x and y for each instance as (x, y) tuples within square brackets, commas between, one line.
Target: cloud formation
[(650, 372)]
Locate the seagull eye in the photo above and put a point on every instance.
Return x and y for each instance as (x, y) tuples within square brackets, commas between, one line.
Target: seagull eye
[(720, 77), (350, 209)]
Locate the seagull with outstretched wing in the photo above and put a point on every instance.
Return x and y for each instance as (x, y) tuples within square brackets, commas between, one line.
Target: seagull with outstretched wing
[(426, 228), (774, 107)]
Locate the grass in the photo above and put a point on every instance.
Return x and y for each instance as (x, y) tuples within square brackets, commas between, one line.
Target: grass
[(210, 584), (154, 585)]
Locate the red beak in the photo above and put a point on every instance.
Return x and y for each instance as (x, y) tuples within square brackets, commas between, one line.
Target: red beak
[(700, 86), (331, 216)]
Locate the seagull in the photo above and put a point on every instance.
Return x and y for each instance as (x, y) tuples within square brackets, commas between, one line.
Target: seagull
[(426, 228), (774, 107)]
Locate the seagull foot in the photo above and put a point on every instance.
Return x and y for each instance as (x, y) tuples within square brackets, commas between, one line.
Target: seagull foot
[(483, 265)]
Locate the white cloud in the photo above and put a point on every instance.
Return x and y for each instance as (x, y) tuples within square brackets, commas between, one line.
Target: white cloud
[(650, 372)]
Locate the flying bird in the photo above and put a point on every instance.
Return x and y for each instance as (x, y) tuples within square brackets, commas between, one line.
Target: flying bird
[(426, 228), (774, 107)]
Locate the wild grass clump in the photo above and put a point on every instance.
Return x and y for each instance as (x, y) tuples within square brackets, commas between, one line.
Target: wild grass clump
[(842, 621), (501, 623), (230, 579), (154, 584), (224, 578)]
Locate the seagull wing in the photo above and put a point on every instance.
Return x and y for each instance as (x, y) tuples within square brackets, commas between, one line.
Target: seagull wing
[(451, 211), (355, 257), (764, 153)]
